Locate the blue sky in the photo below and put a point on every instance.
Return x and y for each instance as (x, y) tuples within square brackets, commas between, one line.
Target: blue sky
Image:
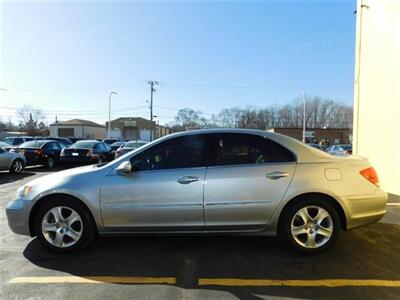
[(66, 58)]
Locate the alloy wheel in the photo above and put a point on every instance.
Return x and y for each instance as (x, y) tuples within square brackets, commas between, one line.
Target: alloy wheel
[(17, 166), (62, 226), (312, 226)]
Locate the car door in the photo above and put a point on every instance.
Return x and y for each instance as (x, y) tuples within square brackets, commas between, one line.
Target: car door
[(4, 159), (246, 180), (163, 193)]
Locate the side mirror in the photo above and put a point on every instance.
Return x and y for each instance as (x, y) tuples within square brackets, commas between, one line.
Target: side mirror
[(125, 168)]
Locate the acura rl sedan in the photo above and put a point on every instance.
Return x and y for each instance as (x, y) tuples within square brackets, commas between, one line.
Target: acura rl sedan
[(200, 182)]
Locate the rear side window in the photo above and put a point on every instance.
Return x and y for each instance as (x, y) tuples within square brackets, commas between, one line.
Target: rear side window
[(246, 149), (182, 152)]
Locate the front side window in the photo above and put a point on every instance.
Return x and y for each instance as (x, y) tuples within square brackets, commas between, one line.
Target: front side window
[(18, 141), (245, 149), (181, 152)]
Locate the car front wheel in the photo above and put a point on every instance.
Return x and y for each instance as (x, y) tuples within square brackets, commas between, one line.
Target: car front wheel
[(64, 226), (310, 226)]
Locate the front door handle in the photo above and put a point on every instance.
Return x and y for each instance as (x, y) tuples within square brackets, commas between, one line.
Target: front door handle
[(276, 175), (188, 179)]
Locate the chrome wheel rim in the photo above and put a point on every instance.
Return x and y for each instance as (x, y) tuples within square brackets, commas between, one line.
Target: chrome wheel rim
[(312, 227), (62, 227), (17, 166)]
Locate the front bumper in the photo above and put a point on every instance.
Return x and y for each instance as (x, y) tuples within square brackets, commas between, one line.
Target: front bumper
[(366, 209), (17, 212)]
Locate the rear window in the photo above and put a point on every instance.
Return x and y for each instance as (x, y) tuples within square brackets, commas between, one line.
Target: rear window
[(32, 144), (83, 144), (346, 147)]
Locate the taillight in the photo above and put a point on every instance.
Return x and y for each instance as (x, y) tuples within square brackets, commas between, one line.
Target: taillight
[(89, 153), (38, 151), (371, 175)]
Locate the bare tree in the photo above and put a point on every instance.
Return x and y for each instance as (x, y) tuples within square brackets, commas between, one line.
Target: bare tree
[(29, 118)]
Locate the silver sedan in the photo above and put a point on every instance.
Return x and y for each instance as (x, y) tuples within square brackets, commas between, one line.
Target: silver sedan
[(205, 181), (11, 161)]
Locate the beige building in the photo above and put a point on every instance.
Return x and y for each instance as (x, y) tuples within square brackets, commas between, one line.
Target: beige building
[(376, 130), (133, 128), (78, 128)]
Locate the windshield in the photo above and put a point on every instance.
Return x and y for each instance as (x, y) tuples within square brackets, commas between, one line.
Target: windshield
[(84, 144), (33, 144), (134, 144), (8, 140)]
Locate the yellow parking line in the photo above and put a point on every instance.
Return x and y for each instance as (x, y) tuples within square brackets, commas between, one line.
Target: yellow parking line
[(95, 279), (298, 283)]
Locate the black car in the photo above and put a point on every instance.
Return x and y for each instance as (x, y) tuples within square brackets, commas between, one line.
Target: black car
[(110, 141), (61, 140), (41, 152), (86, 151)]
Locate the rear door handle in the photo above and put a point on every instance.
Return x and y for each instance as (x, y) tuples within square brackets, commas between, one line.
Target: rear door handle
[(188, 179), (276, 175)]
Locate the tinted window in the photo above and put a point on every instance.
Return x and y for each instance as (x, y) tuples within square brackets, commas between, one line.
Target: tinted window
[(18, 141), (53, 146), (243, 149), (182, 152)]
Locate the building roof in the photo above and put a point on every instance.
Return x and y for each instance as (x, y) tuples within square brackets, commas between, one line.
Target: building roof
[(79, 122)]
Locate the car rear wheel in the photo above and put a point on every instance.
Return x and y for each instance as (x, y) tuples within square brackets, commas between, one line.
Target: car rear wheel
[(64, 225), (17, 166), (310, 226), (50, 163)]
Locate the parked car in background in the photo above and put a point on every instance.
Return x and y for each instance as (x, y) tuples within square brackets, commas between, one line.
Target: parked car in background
[(40, 152), (6, 146), (115, 146), (110, 141), (340, 149), (205, 181), (17, 140), (11, 161), (86, 151), (74, 139), (129, 146), (65, 141), (317, 146)]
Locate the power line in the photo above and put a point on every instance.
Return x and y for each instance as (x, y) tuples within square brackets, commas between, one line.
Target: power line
[(261, 87)]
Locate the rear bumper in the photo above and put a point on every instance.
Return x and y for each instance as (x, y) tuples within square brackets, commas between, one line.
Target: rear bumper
[(365, 209), (78, 159)]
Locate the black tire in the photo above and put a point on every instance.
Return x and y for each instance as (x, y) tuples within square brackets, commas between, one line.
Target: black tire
[(50, 162), (89, 231), (14, 169), (285, 223)]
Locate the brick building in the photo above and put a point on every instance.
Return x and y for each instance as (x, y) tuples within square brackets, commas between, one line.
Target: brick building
[(324, 136)]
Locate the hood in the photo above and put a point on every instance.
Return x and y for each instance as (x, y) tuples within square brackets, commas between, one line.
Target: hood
[(68, 180)]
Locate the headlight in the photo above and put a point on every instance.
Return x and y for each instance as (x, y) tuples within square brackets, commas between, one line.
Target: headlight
[(23, 191)]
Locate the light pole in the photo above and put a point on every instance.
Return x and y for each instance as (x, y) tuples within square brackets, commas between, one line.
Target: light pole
[(109, 113), (304, 116)]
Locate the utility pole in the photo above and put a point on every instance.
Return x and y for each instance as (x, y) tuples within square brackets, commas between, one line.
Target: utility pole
[(304, 116), (109, 113), (152, 89)]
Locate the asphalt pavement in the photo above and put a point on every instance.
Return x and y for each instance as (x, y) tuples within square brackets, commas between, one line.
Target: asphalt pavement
[(364, 264)]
